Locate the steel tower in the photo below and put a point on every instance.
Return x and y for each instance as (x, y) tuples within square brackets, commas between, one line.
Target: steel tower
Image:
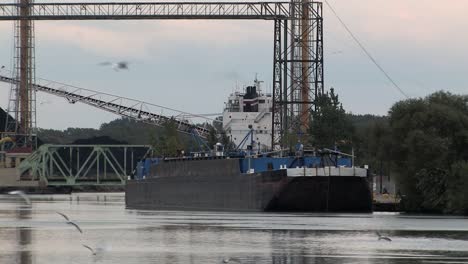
[(297, 71), (21, 119)]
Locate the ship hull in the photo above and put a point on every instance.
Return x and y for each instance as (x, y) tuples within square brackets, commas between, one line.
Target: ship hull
[(220, 186)]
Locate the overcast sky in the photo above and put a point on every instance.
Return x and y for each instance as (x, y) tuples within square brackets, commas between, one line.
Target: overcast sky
[(194, 65)]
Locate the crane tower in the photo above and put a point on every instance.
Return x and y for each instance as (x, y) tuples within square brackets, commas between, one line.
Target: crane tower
[(297, 71), (21, 118)]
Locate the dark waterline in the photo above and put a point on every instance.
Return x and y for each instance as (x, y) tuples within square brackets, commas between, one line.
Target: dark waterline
[(40, 235)]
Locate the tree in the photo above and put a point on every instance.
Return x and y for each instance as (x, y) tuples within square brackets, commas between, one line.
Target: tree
[(226, 141), (429, 149), (217, 134), (457, 186), (372, 142), (212, 137), (330, 124), (168, 143)]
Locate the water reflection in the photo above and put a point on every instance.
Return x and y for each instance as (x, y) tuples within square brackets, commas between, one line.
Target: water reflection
[(179, 237), (24, 236), (284, 252)]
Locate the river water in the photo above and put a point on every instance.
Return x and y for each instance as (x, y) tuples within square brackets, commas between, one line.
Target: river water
[(40, 235)]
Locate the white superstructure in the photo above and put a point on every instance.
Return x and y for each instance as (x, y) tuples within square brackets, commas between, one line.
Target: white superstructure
[(249, 109)]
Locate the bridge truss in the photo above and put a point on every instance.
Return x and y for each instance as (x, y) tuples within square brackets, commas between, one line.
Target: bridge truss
[(67, 165), (298, 43)]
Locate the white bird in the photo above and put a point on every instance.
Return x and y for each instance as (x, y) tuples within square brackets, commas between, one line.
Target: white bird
[(121, 65), (383, 237), (227, 260), (70, 222), (90, 249), (22, 195)]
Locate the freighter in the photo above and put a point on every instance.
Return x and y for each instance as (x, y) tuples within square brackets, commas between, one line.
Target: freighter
[(251, 180)]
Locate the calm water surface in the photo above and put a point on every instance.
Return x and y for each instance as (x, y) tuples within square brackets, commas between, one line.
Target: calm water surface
[(40, 235)]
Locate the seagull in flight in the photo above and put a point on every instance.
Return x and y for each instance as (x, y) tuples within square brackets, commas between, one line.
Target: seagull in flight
[(121, 65), (22, 195), (70, 222), (90, 249), (383, 237), (97, 251)]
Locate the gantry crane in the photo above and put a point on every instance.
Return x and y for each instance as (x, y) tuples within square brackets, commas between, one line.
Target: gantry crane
[(297, 54)]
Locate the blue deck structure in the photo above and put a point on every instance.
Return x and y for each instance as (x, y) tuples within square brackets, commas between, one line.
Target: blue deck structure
[(257, 164)]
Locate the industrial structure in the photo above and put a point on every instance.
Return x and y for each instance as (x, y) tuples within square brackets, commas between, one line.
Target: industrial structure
[(66, 165), (297, 75), (21, 118), (126, 107), (297, 60)]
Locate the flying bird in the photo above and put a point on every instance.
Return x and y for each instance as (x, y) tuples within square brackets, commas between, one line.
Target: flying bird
[(121, 65), (64, 216), (90, 249), (70, 222), (22, 195), (383, 237), (3, 67), (76, 226)]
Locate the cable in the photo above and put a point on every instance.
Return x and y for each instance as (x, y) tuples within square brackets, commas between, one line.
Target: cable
[(366, 52)]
